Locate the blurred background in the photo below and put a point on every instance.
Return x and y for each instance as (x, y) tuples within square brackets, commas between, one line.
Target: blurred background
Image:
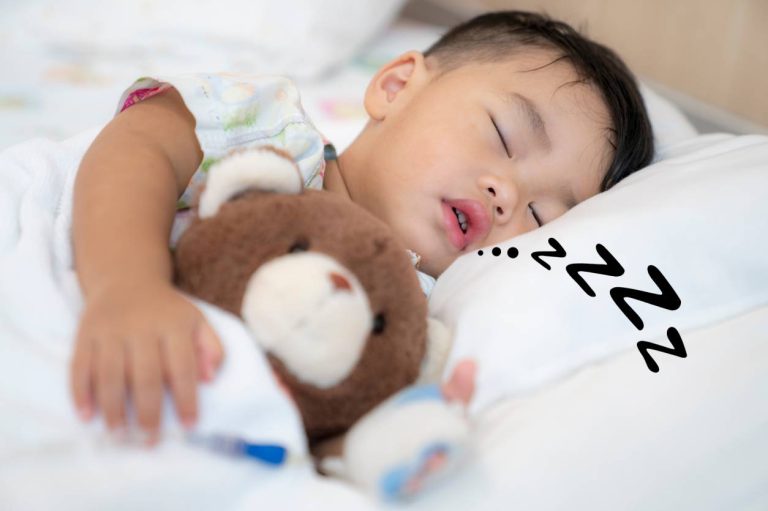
[(709, 56), (66, 62)]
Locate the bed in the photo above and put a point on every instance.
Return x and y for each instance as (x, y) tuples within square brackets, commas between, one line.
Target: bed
[(572, 409)]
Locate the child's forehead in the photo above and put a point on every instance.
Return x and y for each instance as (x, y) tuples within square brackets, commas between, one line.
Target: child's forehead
[(535, 67), (535, 88), (538, 74)]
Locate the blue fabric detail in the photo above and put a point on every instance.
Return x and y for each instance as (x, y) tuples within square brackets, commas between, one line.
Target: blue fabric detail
[(419, 393), (435, 448), (391, 484), (269, 454)]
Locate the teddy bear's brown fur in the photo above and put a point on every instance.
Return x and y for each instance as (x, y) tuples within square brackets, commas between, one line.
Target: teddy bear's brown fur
[(215, 258)]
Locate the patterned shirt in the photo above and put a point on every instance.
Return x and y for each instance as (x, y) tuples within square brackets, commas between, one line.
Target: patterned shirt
[(240, 111)]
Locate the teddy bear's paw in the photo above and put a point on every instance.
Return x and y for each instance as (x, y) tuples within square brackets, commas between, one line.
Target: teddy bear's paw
[(409, 442)]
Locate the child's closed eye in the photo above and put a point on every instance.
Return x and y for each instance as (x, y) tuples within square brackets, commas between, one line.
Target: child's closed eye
[(501, 137)]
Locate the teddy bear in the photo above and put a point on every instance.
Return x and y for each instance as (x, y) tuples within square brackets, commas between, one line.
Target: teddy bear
[(326, 290)]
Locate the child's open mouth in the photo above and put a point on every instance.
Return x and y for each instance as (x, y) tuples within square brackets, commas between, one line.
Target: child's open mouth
[(465, 221)]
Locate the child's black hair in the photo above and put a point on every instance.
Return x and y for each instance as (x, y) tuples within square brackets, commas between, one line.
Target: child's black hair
[(494, 36)]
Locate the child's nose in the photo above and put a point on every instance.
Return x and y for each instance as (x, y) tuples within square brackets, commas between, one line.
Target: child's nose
[(503, 197)]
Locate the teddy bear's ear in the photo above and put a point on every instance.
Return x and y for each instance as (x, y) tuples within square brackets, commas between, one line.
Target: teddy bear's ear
[(439, 341), (263, 168)]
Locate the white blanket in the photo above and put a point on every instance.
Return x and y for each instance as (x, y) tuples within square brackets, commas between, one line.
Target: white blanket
[(42, 440)]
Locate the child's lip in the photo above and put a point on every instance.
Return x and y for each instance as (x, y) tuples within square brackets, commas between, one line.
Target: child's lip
[(478, 221)]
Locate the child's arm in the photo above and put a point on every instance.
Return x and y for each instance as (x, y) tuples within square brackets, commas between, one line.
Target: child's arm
[(137, 333)]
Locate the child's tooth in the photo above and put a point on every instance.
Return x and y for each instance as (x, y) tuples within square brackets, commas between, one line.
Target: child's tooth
[(461, 217)]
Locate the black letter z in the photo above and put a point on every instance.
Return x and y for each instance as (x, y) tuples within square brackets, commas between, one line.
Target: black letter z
[(667, 299), (611, 268), (678, 349)]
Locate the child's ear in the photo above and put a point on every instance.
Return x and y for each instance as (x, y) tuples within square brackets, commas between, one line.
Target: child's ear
[(394, 83)]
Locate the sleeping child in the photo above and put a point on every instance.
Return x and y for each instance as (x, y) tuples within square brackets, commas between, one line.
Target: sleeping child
[(502, 125)]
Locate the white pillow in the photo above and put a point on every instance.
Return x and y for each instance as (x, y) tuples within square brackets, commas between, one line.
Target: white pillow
[(700, 216), (615, 436), (670, 125)]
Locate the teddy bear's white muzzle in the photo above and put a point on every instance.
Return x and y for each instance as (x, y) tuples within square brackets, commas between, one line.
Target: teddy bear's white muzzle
[(310, 312)]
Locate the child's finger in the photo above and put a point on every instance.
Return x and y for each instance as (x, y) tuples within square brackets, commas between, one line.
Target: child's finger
[(145, 374), (461, 384), (180, 368), (110, 383), (80, 378), (209, 350)]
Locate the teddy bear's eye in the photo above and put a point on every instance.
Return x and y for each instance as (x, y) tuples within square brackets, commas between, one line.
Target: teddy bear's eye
[(379, 323), (300, 245)]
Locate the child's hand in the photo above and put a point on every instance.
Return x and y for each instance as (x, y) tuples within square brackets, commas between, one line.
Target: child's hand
[(134, 340)]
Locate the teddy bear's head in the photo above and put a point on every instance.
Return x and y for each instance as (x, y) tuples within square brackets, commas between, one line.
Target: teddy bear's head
[(326, 290)]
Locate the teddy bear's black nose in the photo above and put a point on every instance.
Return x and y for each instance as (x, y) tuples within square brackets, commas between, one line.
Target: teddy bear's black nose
[(340, 282)]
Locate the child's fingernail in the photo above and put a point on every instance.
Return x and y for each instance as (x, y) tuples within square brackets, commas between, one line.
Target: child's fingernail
[(150, 438), (119, 434), (188, 423), (85, 413)]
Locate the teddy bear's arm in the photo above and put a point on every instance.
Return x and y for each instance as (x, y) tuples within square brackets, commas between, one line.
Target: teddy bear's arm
[(263, 168)]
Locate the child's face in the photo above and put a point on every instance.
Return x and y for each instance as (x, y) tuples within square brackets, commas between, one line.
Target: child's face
[(431, 145)]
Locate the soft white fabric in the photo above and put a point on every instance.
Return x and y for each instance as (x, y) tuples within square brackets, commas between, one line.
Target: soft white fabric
[(39, 307), (670, 125), (68, 476), (615, 436), (700, 216), (612, 436)]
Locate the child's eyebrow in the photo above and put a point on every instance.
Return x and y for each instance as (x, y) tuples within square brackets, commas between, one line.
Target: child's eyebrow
[(537, 124)]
